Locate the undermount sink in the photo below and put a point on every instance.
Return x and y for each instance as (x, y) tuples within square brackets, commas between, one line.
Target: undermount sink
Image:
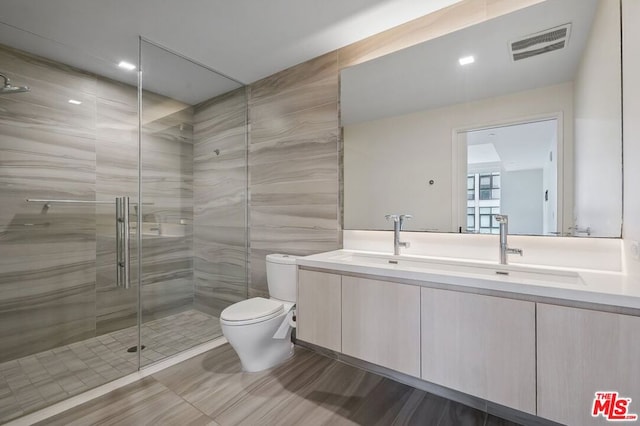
[(521, 273)]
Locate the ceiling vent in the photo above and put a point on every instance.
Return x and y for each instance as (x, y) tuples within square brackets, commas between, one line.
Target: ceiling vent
[(539, 43)]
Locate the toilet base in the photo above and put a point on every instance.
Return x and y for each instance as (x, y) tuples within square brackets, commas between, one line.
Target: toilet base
[(255, 345)]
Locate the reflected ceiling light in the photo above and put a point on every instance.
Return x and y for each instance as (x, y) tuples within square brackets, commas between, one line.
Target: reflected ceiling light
[(466, 60), (127, 66), (74, 102)]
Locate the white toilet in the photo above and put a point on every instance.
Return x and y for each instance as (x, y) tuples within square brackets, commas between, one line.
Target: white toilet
[(260, 329)]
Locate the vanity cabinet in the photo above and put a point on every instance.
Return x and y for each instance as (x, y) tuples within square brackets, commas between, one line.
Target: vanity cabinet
[(381, 323), (480, 345), (319, 309), (543, 359), (581, 352)]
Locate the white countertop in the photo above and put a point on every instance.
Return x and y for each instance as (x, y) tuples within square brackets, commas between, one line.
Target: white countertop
[(569, 284)]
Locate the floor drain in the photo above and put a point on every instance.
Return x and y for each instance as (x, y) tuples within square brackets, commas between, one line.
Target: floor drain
[(135, 348)]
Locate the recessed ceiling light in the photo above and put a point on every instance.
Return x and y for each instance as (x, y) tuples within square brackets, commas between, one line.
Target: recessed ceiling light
[(466, 60), (127, 65), (73, 101)]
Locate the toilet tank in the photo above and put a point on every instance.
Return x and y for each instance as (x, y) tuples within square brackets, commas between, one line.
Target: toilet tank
[(282, 277)]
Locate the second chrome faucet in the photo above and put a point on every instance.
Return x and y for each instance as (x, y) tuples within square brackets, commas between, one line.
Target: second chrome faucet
[(503, 220), (398, 221)]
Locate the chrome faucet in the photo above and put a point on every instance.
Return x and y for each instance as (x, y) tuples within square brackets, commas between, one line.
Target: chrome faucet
[(503, 220), (398, 221)]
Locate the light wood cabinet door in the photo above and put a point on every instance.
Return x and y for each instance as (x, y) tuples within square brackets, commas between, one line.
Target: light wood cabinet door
[(319, 309), (480, 345), (381, 323), (581, 352)]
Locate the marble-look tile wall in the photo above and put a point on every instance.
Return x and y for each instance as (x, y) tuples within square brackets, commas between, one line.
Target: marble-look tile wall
[(220, 198), (293, 164), (47, 256), (57, 264)]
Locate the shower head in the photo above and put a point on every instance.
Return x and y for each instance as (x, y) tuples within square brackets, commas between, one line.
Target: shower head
[(8, 88)]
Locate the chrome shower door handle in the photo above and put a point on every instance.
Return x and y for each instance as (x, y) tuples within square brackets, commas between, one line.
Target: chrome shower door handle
[(123, 263)]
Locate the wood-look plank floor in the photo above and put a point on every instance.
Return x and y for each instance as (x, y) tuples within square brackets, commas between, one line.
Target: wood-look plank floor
[(309, 389)]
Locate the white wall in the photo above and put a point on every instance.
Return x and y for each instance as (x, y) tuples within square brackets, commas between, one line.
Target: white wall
[(598, 196), (522, 199), (631, 46), (389, 162)]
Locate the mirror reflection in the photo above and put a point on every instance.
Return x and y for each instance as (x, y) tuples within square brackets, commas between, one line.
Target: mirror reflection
[(512, 170), (520, 115)]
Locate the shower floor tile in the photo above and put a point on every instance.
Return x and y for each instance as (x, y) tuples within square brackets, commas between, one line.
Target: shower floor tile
[(36, 381)]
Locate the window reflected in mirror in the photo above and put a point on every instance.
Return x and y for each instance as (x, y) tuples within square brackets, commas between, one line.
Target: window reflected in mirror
[(512, 170)]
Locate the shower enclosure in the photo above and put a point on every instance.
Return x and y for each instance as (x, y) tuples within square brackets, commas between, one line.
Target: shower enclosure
[(123, 224)]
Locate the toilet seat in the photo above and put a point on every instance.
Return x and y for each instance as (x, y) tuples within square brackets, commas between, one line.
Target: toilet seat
[(251, 311)]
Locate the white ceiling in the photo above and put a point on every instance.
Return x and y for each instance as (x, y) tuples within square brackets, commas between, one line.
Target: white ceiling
[(243, 39), (428, 75), (515, 147)]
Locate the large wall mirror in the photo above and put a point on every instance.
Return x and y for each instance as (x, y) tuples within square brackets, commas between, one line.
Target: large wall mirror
[(520, 115)]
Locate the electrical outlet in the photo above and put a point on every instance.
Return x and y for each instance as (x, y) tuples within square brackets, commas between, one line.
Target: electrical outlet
[(635, 251)]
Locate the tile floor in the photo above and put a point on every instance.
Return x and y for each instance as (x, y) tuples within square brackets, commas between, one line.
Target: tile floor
[(36, 381), (309, 389)]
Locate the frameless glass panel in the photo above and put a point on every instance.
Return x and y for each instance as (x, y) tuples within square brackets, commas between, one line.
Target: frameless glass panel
[(68, 147), (194, 185)]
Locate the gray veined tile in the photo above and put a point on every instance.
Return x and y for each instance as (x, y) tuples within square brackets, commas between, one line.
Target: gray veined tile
[(309, 389), (117, 92), (179, 146), (292, 240), (294, 216), (226, 145), (23, 115), (227, 235), (292, 194), (212, 296), (30, 153), (166, 298), (276, 105), (457, 414), (144, 402), (296, 77), (216, 116), (213, 158), (306, 133), (167, 119), (228, 209), (302, 170)]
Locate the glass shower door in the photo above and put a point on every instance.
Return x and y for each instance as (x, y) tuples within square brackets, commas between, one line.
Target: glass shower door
[(193, 186), (68, 148), (70, 145)]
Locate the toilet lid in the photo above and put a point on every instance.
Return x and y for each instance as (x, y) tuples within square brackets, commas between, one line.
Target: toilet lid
[(255, 308)]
